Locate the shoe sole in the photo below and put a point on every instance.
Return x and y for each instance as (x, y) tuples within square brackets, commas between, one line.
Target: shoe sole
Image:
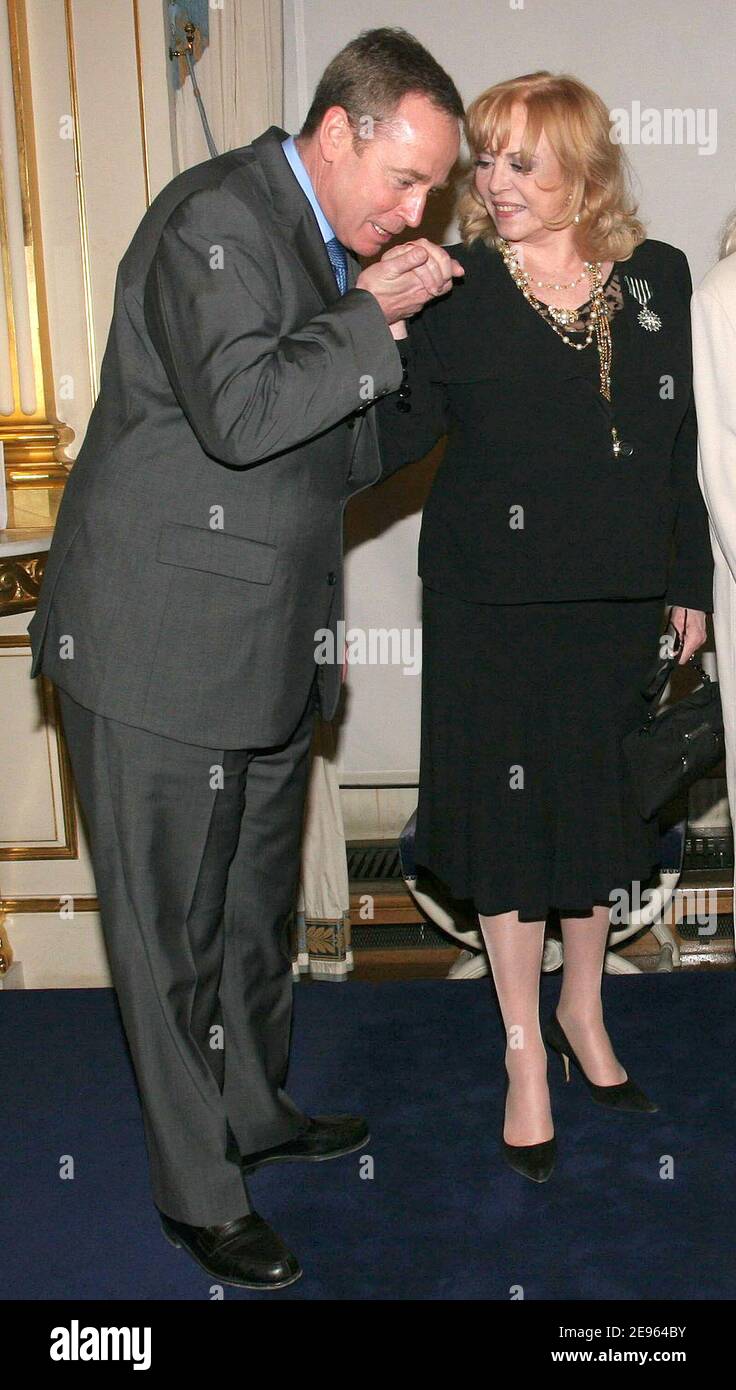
[(305, 1158), (221, 1278)]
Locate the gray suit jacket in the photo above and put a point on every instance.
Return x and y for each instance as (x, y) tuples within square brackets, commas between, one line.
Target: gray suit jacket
[(199, 548)]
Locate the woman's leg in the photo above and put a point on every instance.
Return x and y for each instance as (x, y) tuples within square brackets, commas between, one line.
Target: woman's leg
[(515, 954), (580, 1009)]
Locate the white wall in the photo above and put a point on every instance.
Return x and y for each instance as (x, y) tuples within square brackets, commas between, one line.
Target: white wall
[(658, 53)]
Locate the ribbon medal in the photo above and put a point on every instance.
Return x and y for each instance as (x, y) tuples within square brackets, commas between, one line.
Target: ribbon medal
[(642, 293)]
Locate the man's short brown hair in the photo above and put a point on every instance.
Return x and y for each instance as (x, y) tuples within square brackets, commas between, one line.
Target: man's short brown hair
[(371, 74)]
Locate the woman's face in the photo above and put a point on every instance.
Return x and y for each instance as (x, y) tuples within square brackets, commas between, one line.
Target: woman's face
[(518, 206)]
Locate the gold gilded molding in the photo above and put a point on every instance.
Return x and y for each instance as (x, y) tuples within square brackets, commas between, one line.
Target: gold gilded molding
[(141, 100), (6, 950), (52, 715), (10, 906), (33, 440), (81, 198), (20, 581), (9, 308)]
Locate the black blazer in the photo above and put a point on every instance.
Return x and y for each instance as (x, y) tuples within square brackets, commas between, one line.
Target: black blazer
[(529, 504)]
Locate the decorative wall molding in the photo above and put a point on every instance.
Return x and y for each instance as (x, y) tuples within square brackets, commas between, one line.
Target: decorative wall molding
[(60, 772), (20, 581), (32, 435)]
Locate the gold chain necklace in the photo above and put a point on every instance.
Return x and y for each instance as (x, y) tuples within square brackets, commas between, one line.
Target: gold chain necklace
[(559, 319)]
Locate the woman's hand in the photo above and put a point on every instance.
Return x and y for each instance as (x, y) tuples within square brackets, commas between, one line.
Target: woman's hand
[(690, 623), (422, 272)]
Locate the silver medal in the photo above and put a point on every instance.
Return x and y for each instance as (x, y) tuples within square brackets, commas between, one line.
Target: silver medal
[(642, 293)]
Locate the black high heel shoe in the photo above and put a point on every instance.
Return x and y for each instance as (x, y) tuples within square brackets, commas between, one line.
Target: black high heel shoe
[(625, 1095), (534, 1161)]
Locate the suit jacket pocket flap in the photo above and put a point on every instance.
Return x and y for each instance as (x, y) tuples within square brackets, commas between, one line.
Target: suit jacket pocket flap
[(198, 548)]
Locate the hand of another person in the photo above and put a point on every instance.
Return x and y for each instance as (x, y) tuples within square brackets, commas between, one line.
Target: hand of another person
[(690, 623), (436, 273), (407, 276)]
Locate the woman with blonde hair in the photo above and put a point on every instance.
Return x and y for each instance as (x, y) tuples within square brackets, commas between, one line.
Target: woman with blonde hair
[(560, 369), (714, 374)]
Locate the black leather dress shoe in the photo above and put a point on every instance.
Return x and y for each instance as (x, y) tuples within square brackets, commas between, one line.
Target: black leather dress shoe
[(326, 1136), (246, 1252)]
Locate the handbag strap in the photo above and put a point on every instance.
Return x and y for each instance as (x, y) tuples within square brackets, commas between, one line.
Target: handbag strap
[(654, 689)]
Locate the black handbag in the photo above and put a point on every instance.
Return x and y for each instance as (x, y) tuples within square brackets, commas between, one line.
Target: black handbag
[(675, 747)]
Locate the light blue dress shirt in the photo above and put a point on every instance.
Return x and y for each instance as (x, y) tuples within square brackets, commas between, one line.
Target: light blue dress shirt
[(300, 173)]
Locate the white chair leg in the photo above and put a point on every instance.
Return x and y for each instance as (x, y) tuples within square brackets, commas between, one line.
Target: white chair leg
[(470, 965)]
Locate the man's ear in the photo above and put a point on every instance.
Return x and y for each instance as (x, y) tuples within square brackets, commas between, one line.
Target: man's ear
[(335, 132)]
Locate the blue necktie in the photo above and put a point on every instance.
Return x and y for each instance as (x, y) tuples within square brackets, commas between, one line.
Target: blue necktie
[(339, 262)]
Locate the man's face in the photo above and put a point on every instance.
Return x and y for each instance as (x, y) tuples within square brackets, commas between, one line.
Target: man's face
[(370, 197)]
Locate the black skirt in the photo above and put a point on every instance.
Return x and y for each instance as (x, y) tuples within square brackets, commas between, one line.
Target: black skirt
[(523, 800)]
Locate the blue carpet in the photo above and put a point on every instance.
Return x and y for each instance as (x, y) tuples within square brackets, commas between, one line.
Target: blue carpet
[(442, 1216)]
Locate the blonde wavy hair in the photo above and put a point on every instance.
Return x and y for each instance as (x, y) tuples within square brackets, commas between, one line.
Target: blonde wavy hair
[(595, 170)]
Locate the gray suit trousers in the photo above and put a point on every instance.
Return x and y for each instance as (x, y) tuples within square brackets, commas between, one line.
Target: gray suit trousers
[(197, 883)]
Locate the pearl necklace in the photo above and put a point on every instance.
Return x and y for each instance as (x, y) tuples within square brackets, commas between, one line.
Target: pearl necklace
[(563, 284)]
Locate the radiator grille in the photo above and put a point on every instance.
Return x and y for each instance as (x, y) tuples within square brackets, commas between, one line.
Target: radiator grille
[(377, 859), (411, 936), (690, 929)]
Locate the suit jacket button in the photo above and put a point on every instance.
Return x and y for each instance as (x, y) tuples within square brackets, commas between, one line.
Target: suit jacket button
[(332, 577)]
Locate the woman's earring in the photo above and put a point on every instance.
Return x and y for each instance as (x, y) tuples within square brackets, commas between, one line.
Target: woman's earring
[(576, 218)]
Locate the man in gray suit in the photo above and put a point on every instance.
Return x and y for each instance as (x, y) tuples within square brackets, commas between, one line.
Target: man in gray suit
[(197, 554)]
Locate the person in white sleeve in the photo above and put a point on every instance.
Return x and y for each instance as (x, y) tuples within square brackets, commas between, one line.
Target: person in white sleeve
[(713, 311)]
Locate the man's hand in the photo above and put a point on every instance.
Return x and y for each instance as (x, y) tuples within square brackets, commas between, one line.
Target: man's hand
[(690, 623), (406, 277)]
